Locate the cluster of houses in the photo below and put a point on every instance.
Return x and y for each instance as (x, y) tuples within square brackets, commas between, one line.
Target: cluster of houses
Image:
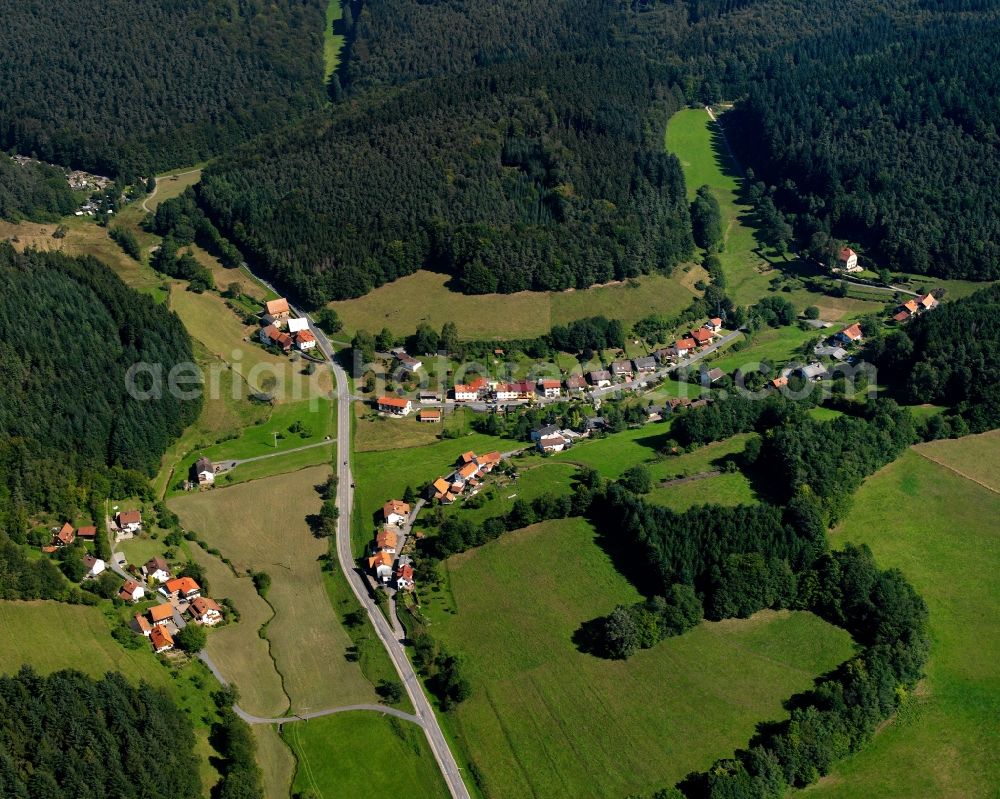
[(66, 534), (279, 329), (914, 307), (469, 471), (386, 562), (180, 594)]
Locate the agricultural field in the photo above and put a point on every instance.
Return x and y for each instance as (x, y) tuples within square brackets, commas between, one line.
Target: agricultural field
[(943, 531), (276, 761), (261, 526), (423, 297), (362, 754), (541, 712), (976, 458)]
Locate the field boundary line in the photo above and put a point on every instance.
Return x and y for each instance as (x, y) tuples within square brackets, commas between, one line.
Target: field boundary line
[(951, 468)]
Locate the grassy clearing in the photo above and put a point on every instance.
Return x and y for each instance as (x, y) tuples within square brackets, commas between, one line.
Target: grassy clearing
[(723, 489), (541, 714), (375, 433), (51, 636), (775, 344), (613, 454), (261, 526), (275, 760), (974, 457), (333, 43), (943, 532), (385, 475), (424, 297), (501, 492), (172, 184), (363, 754)]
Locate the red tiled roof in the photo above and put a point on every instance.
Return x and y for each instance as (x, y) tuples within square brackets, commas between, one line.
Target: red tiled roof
[(161, 638), (161, 612), (89, 531), (183, 584), (129, 517), (853, 332), (395, 506), (393, 402), (386, 539), (701, 335), (685, 344), (277, 306)]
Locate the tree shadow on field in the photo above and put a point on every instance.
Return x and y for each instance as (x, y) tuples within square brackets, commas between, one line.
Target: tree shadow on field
[(589, 639)]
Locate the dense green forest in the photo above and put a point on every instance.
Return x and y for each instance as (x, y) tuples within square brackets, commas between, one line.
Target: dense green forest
[(34, 191), (886, 134), (125, 88), (546, 174), (67, 735)]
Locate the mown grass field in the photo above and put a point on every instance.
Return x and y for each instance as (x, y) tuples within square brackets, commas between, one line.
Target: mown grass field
[(500, 492), (722, 489), (775, 344), (275, 760), (373, 433), (363, 754), (547, 720), (261, 526), (616, 452), (974, 457), (172, 184), (333, 43), (943, 531), (51, 636), (424, 298)]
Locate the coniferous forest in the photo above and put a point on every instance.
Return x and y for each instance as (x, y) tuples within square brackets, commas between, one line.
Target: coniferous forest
[(124, 89)]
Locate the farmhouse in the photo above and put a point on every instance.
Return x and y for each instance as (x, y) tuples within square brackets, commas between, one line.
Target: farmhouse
[(429, 415), (131, 591), (381, 564), (270, 335), (599, 378), (850, 334), (847, 260), (129, 521), (204, 472), (441, 490), (87, 532), (277, 309), (305, 340), (550, 388), (94, 566), (182, 587), (386, 541), (394, 406), (65, 536), (205, 611), (161, 640), (395, 511), (702, 336), (928, 302), (643, 365), (161, 614), (156, 569)]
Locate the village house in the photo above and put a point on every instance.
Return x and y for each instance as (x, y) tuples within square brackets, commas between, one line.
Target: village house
[(779, 382), (205, 611), (714, 324), (94, 566), (850, 334), (505, 392), (645, 364), (831, 351), (702, 336), (813, 372), (161, 614), (305, 340), (928, 302), (431, 415), (404, 576), (550, 388), (552, 443), (131, 591), (599, 378), (141, 625), (277, 338), (901, 316), (712, 376), (156, 569), (87, 532), (277, 309), (386, 540), (440, 490), (129, 521), (161, 640), (684, 346), (204, 472), (653, 413), (65, 536), (621, 369), (847, 260), (297, 325), (408, 363), (381, 564), (182, 588), (429, 396), (394, 406), (592, 423), (466, 393), (395, 511), (664, 354), (575, 384)]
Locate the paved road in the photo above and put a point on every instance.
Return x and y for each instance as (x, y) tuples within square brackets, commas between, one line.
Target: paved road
[(393, 646)]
